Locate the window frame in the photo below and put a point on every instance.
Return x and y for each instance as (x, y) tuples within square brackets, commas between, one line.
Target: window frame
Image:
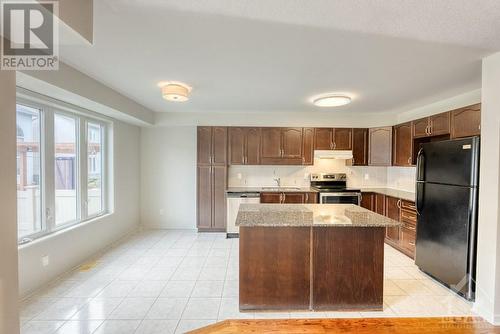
[(48, 107)]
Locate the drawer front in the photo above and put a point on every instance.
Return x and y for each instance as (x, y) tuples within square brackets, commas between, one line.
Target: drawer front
[(407, 205), (407, 239), (408, 217)]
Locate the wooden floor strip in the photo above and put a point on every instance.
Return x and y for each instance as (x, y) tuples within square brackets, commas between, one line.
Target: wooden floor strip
[(455, 325)]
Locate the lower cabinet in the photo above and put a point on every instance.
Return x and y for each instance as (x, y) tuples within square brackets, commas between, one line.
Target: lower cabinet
[(368, 201), (288, 197), (392, 207), (211, 200)]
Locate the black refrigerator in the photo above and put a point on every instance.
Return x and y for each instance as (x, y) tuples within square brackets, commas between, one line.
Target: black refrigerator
[(446, 202)]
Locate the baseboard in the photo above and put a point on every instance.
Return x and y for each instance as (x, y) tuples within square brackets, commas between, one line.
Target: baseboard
[(493, 319)]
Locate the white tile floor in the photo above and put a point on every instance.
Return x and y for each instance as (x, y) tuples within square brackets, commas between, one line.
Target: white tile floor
[(171, 281)]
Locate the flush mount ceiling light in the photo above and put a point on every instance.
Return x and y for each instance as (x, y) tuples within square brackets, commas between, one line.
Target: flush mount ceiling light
[(331, 100), (174, 91)]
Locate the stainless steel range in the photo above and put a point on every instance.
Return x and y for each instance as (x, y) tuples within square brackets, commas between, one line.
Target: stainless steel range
[(333, 189)]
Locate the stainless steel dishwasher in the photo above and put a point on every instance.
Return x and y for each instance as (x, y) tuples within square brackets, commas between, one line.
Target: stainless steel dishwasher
[(234, 199)]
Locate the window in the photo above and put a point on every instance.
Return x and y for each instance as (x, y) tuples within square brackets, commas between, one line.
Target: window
[(61, 168), (29, 195), (94, 175), (65, 169)]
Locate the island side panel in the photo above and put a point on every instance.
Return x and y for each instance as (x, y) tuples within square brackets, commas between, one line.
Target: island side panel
[(348, 268), (275, 268)]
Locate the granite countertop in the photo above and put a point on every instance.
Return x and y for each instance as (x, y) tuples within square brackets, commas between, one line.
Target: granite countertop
[(406, 195), (288, 189), (321, 215)]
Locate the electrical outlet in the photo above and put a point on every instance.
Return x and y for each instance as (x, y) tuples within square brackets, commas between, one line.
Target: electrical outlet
[(162, 212), (239, 176), (367, 176), (45, 260)]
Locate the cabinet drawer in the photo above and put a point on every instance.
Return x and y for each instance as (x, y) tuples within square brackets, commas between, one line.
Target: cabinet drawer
[(409, 217), (407, 239), (407, 205)]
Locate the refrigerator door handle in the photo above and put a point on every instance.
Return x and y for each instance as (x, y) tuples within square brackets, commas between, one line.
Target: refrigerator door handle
[(420, 164), (419, 197)]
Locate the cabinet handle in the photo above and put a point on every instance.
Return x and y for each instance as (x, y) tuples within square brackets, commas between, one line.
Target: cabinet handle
[(411, 243), (399, 204), (353, 161), (284, 197), (334, 145), (303, 160), (307, 197), (409, 161), (410, 228)]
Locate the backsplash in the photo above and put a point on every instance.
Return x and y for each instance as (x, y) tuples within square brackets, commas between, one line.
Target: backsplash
[(402, 178)]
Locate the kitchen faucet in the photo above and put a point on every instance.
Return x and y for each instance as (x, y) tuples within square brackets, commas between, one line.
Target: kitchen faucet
[(278, 181)]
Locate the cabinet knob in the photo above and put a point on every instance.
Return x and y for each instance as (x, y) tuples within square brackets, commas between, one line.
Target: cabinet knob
[(409, 161)]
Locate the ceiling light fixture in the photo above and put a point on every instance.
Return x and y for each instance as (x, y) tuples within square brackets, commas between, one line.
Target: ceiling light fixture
[(331, 100), (174, 91)]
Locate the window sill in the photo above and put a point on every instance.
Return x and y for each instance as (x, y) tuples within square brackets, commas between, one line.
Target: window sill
[(61, 231)]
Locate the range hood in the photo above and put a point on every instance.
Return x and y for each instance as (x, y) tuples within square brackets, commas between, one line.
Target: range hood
[(333, 154)]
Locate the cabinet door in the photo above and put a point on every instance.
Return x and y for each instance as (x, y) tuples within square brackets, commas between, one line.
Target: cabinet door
[(407, 240), (323, 139), (204, 139), (439, 124), (311, 198), (204, 197), (271, 143), (420, 127), (379, 204), (308, 147), (359, 147), (219, 177), (380, 146), (219, 145), (402, 145), (236, 146), (342, 139), (392, 211), (293, 198), (292, 142), (273, 198), (466, 122), (252, 146), (368, 201)]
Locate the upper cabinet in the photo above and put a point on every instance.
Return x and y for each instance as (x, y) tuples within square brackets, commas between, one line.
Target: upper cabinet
[(380, 146), (244, 146), (281, 146), (308, 146), (402, 153), (436, 125), (333, 139), (359, 147), (212, 145), (466, 122)]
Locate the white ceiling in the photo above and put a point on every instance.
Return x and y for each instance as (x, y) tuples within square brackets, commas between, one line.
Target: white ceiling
[(262, 55)]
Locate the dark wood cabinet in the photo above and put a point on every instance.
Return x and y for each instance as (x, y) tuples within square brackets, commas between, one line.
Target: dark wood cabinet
[(379, 202), (368, 201), (342, 139), (244, 146), (439, 124), (333, 139), (435, 125), (466, 122), (292, 143), (323, 138), (271, 143), (211, 178), (380, 146), (359, 147), (392, 210), (308, 146), (402, 145), (271, 197), (288, 197)]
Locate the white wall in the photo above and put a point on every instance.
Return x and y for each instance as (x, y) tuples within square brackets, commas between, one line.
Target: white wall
[(70, 247), (9, 319), (488, 251), (168, 177)]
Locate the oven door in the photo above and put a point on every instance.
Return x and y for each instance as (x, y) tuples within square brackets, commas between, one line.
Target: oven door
[(340, 198)]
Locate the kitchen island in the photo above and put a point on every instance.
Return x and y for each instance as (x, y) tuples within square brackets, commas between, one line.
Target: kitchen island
[(311, 257)]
